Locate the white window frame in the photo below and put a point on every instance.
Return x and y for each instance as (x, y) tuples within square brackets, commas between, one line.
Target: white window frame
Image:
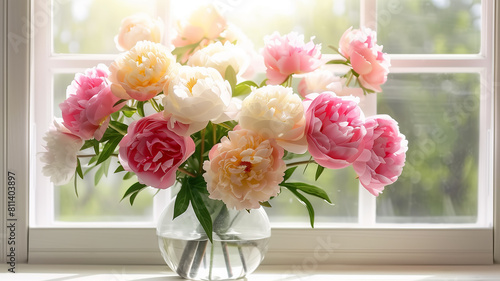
[(317, 246)]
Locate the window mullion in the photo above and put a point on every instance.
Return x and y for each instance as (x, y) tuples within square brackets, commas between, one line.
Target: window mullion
[(366, 201)]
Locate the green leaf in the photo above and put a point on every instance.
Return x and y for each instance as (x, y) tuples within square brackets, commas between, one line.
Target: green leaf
[(230, 76), (119, 125), (98, 175), (108, 149), (302, 199), (309, 189), (118, 102), (140, 108), (201, 212), (338, 62), (119, 169), (115, 115), (105, 167), (182, 201), (135, 188), (265, 204), (180, 51), (319, 171), (241, 90), (128, 113), (132, 197), (288, 173), (89, 143), (96, 149), (263, 83), (79, 168), (93, 159), (128, 175)]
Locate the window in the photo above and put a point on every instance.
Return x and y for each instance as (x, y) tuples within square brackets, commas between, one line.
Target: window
[(440, 91)]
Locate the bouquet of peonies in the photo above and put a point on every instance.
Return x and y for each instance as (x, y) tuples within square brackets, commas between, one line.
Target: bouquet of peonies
[(188, 113)]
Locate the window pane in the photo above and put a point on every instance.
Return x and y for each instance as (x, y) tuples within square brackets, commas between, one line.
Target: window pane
[(439, 114), (326, 20), (429, 26), (61, 81), (89, 26), (341, 186), (101, 202)]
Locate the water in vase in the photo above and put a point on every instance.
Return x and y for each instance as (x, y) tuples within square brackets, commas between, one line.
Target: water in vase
[(228, 258)]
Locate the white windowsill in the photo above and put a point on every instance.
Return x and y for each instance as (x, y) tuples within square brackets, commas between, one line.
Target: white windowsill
[(264, 273)]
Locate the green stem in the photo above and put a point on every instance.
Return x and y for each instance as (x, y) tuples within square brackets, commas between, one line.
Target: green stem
[(92, 155), (224, 126), (155, 105), (288, 81), (202, 150), (211, 261), (184, 171), (214, 133), (116, 129), (349, 79), (298, 163)]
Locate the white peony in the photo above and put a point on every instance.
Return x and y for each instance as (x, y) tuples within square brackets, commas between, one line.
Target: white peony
[(197, 95), (60, 158), (220, 57), (276, 112)]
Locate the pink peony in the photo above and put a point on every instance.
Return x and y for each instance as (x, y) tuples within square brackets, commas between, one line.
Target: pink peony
[(382, 161), (90, 102), (153, 152), (287, 55), (244, 169), (335, 129), (366, 57)]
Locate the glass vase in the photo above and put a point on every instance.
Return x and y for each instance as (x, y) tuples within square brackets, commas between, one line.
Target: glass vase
[(240, 241)]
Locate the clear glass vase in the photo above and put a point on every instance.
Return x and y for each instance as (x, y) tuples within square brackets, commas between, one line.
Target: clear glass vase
[(240, 241)]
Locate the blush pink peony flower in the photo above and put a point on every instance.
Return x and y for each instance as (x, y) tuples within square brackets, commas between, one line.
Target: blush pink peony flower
[(335, 129), (383, 158), (141, 72), (205, 23), (366, 57), (138, 27), (244, 169), (60, 158), (287, 55), (90, 102), (153, 152)]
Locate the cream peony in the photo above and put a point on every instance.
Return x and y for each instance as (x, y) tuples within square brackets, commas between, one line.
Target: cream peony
[(322, 80), (220, 57), (276, 112), (60, 158), (142, 72), (197, 95), (244, 169), (206, 22), (138, 27)]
